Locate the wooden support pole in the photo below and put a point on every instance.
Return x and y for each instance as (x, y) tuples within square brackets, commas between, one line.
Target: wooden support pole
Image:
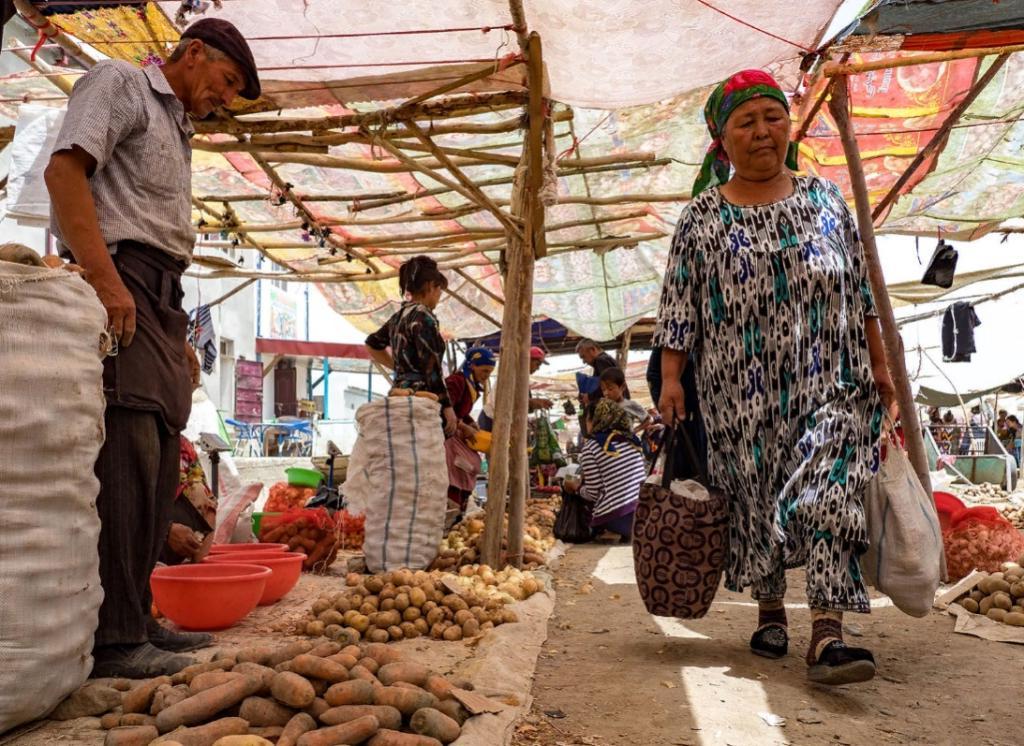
[(475, 192), (499, 472), (535, 143), (939, 138), (484, 72), (234, 291), (310, 218), (479, 286), (511, 124), (503, 180), (454, 106), (834, 70), (486, 317), (839, 106), (52, 32)]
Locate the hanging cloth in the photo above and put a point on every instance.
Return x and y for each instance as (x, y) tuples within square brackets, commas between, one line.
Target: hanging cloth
[(202, 336), (958, 323)]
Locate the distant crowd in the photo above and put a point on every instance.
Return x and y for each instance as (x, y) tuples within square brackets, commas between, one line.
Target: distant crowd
[(955, 437)]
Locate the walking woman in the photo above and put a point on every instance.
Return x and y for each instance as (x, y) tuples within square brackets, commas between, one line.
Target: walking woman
[(465, 386), (765, 280), (414, 336)]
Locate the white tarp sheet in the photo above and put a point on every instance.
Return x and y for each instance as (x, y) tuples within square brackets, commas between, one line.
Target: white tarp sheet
[(27, 199), (600, 55)]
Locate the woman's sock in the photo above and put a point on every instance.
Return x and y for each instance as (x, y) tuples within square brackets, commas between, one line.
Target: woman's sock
[(826, 628), (771, 612)]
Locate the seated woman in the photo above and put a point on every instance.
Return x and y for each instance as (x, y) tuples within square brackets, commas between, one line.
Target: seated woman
[(464, 388), (612, 468), (414, 336)]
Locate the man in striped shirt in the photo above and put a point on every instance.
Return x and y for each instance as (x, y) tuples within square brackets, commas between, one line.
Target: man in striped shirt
[(120, 189)]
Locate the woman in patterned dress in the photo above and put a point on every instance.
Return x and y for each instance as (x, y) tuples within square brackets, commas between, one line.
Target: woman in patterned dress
[(410, 342), (765, 281)]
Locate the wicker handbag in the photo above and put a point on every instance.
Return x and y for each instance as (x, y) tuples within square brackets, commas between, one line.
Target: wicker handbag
[(680, 539)]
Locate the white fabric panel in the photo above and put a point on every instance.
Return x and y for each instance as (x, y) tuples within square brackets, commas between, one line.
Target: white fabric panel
[(598, 54), (28, 202)]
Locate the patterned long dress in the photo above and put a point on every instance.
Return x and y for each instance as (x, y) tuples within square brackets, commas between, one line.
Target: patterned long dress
[(774, 298)]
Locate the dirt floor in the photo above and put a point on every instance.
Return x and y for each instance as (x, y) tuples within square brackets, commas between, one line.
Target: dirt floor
[(611, 674)]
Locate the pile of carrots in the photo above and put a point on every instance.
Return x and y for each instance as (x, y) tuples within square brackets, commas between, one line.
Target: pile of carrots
[(296, 695)]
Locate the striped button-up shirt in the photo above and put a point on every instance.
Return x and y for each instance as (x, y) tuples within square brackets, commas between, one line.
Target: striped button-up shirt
[(129, 120)]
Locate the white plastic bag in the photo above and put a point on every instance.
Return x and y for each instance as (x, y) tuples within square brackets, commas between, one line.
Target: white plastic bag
[(904, 560), (399, 473), (51, 431)]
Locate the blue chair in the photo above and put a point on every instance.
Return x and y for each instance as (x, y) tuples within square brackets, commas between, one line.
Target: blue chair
[(248, 438)]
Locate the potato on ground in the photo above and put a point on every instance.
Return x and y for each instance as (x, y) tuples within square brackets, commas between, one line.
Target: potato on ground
[(354, 731), (354, 692), (200, 708), (389, 717), (204, 735), (140, 698), (292, 690), (262, 712), (395, 738), (410, 672), (131, 735), (433, 723), (297, 726), (405, 700), (319, 668), (249, 740)]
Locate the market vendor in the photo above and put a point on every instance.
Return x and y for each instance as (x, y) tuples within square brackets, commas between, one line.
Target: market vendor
[(120, 187), (410, 342), (465, 386), (538, 358)]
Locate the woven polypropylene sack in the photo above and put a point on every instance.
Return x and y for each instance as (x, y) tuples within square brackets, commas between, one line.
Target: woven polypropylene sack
[(398, 474), (51, 431)]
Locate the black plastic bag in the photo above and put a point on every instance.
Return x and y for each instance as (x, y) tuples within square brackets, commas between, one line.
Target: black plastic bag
[(572, 524), (942, 267)]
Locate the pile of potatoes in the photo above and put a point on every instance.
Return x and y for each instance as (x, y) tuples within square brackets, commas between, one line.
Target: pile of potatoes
[(402, 605), (1015, 515), (999, 596), (461, 546), (508, 585), (295, 695)]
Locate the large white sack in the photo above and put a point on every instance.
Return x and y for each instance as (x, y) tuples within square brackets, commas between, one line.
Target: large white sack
[(51, 431), (398, 474)]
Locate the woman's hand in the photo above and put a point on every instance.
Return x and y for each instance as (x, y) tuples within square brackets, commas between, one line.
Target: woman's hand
[(571, 484), (451, 423), (887, 393), (182, 541), (466, 431), (672, 404)]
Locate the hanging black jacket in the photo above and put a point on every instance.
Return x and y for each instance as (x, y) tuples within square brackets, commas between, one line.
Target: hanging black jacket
[(958, 324)]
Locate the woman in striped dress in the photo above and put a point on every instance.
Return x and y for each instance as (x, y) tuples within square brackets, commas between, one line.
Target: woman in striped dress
[(612, 467)]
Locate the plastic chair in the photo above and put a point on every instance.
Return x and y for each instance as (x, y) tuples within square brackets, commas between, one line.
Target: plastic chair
[(248, 440)]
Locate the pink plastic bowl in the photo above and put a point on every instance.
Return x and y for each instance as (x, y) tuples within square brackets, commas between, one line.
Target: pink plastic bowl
[(232, 548), (285, 566), (208, 595)]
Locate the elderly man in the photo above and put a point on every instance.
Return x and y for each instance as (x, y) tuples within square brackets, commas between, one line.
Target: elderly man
[(120, 188)]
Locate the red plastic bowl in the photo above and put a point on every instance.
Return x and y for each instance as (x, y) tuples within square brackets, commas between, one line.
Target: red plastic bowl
[(232, 548), (286, 568), (208, 596)]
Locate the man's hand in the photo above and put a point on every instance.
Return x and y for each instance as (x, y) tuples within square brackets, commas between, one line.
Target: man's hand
[(672, 404), (182, 541), (119, 304), (466, 431), (541, 404), (67, 180)]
